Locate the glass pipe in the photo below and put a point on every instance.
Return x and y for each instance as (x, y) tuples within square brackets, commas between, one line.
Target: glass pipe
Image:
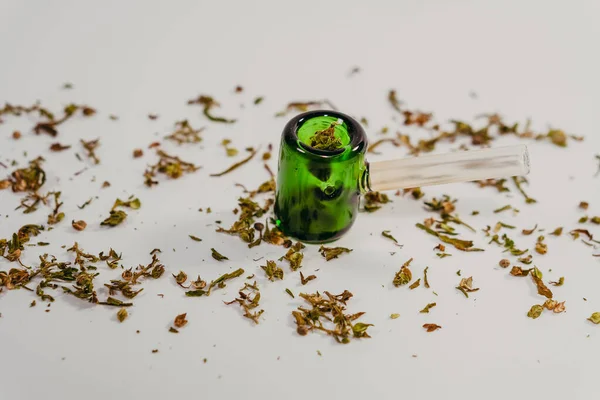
[(318, 189)]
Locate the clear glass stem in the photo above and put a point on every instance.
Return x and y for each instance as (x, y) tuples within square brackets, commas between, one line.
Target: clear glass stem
[(460, 166)]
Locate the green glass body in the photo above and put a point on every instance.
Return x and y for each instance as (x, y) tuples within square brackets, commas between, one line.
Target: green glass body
[(317, 190)]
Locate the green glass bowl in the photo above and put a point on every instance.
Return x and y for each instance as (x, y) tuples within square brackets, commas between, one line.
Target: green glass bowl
[(318, 190)]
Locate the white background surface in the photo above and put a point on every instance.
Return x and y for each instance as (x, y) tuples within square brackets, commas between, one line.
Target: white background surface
[(535, 59)]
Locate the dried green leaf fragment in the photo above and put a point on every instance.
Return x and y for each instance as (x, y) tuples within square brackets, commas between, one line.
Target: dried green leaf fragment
[(133, 203), (122, 314), (403, 276), (195, 238), (389, 236), (595, 318), (217, 256), (294, 256), (428, 307), (180, 320), (415, 284), (431, 327), (393, 99), (115, 218), (374, 199), (304, 280), (536, 276), (466, 286), (425, 280), (463, 245), (272, 271), (237, 165), (529, 231), (535, 311), (111, 301), (247, 302), (557, 231), (184, 133), (505, 208), (288, 291), (90, 147), (328, 315), (208, 103), (394, 316), (332, 252)]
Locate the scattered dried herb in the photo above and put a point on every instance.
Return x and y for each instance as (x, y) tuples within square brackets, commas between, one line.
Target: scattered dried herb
[(79, 225), (302, 106), (55, 217), (389, 236), (554, 306), (258, 100), (122, 314), (115, 218), (56, 147), (304, 280), (332, 252), (49, 125), (536, 276), (508, 244), (272, 270), (374, 199), (28, 179), (425, 281), (557, 231), (180, 320), (137, 153), (540, 246), (247, 302), (466, 286), (518, 271), (330, 309), (415, 284), (529, 231), (288, 291), (403, 276), (237, 165), (526, 260), (576, 232), (584, 205), (294, 256), (217, 283), (595, 318), (463, 245), (208, 103), (535, 311), (180, 279), (505, 208), (90, 147), (394, 316), (431, 327), (518, 181), (217, 256), (504, 263), (428, 307), (171, 166), (393, 99)]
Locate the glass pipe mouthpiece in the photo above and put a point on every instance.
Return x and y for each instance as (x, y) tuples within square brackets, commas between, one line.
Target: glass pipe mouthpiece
[(460, 166), (322, 172)]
